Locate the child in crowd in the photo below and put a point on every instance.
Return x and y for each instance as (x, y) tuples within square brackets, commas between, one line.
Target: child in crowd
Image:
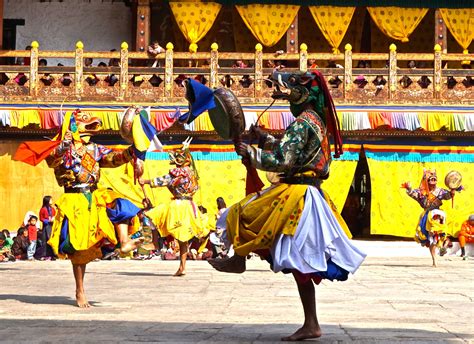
[(20, 244), (5, 252), (32, 236), (46, 215), (8, 240), (153, 50)]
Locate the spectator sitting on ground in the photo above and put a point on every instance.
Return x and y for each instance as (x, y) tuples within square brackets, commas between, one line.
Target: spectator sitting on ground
[(8, 240), (5, 252), (201, 248), (466, 235), (20, 244)]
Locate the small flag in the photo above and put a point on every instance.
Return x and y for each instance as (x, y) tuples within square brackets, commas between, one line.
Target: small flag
[(33, 152), (200, 97), (145, 136)]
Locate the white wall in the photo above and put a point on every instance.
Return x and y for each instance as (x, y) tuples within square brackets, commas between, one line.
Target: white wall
[(59, 25)]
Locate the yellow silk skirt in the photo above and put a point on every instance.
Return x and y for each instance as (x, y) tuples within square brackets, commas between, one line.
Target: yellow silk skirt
[(88, 224), (255, 222), (180, 218), (436, 231)]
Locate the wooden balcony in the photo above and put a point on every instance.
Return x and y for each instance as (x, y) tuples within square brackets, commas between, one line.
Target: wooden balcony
[(130, 81)]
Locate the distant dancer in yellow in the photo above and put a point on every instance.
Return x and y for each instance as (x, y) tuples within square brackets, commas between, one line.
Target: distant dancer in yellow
[(179, 218), (431, 228)]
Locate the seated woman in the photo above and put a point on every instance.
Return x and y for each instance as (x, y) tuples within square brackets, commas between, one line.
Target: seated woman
[(20, 244), (466, 235)]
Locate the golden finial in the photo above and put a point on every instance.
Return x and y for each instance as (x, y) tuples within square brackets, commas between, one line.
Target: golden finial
[(193, 47)]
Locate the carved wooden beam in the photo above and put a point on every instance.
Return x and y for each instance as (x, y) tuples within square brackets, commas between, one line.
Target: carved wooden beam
[(143, 25), (292, 37)]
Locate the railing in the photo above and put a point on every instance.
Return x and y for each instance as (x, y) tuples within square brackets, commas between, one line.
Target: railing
[(128, 80)]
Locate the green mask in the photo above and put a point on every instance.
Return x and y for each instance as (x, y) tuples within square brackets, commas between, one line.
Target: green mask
[(316, 97)]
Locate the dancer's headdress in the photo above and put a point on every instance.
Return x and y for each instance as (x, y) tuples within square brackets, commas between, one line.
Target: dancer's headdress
[(427, 174), (309, 87)]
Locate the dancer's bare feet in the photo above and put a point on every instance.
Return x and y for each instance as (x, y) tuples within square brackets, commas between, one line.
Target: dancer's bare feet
[(82, 300), (234, 264), (130, 245), (180, 273), (306, 332)]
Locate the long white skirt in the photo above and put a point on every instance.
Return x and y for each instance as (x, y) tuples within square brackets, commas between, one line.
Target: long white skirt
[(318, 238)]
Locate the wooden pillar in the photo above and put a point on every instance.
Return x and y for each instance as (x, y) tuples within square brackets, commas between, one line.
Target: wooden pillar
[(440, 32), (1, 24), (292, 37), (143, 25)]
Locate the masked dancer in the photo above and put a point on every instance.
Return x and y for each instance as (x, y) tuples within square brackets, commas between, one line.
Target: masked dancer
[(291, 223), (179, 218), (431, 228), (86, 215)]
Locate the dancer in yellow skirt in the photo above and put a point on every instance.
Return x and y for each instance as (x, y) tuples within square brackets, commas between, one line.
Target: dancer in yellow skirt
[(86, 215), (291, 224), (179, 218)]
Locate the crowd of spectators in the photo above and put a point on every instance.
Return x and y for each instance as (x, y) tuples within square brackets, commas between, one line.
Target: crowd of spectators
[(31, 240)]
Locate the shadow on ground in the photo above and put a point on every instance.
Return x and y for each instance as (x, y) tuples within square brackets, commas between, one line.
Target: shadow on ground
[(174, 332), (42, 300)]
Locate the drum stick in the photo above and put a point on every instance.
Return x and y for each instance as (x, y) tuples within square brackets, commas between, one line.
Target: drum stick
[(269, 106)]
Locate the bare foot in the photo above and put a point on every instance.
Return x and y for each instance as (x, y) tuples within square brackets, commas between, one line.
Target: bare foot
[(81, 300), (304, 333), (180, 273), (130, 245), (234, 264)]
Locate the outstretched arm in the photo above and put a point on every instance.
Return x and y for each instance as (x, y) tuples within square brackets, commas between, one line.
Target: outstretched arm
[(114, 158), (156, 182)]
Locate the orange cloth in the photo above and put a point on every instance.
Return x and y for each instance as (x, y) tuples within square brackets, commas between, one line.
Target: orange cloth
[(33, 152), (466, 235)]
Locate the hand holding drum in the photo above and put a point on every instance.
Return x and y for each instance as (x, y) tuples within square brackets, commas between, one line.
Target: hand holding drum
[(453, 180), (127, 134)]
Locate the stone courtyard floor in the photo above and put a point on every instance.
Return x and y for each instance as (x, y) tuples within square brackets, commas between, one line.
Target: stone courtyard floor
[(395, 297)]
